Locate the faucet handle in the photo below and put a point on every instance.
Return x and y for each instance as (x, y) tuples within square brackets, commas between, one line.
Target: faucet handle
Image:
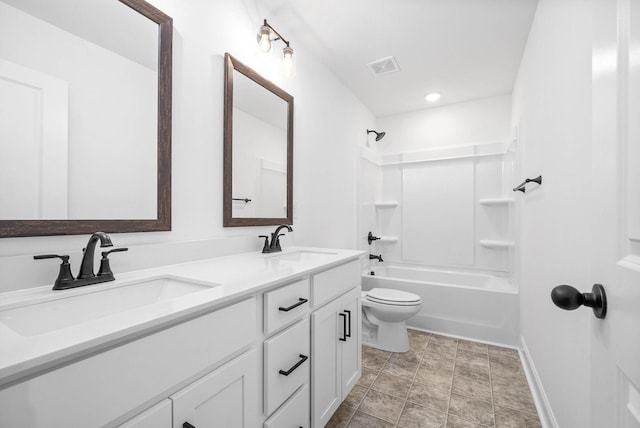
[(105, 267), (64, 275), (265, 248)]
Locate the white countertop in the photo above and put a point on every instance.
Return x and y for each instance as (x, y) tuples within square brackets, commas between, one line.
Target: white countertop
[(238, 276)]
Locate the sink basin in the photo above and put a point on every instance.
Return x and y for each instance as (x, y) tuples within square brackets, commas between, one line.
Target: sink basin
[(304, 256), (63, 311)]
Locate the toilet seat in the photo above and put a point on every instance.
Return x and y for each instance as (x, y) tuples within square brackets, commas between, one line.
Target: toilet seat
[(392, 297)]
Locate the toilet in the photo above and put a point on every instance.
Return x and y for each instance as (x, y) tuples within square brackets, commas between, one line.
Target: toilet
[(384, 312)]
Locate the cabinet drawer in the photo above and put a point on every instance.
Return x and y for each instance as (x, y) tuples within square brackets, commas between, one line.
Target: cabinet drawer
[(286, 364), (334, 282), (285, 304), (158, 416), (294, 413)]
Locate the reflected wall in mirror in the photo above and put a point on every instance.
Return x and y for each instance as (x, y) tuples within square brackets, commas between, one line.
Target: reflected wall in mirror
[(85, 117), (258, 149)]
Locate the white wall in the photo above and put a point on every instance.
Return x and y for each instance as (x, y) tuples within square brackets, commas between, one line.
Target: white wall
[(329, 124), (485, 119), (552, 108)]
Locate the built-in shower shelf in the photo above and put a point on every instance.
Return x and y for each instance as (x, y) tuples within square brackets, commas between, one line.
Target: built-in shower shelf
[(488, 243), (496, 201), (388, 239), (386, 204)]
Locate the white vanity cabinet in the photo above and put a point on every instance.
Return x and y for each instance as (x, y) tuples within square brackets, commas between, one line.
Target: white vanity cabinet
[(282, 353), (333, 333), (158, 416), (335, 341), (101, 389)]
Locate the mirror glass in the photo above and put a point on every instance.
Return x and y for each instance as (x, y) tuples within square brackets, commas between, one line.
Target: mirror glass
[(83, 89), (258, 149)]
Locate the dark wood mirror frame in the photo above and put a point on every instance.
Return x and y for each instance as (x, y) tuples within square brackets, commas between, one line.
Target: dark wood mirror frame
[(19, 228), (230, 64)]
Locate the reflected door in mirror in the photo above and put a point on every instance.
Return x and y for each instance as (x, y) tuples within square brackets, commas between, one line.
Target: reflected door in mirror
[(259, 151)]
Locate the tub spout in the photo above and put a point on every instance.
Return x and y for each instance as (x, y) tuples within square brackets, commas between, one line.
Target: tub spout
[(374, 257)]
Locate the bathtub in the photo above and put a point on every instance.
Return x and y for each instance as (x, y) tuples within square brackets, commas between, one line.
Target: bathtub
[(475, 306)]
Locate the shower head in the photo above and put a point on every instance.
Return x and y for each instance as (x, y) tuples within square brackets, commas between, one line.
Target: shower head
[(379, 135)]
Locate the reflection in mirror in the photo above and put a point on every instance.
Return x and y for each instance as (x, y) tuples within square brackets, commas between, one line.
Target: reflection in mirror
[(85, 117), (258, 149)]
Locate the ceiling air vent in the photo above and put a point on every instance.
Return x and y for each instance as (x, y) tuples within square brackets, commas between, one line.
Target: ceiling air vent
[(384, 66)]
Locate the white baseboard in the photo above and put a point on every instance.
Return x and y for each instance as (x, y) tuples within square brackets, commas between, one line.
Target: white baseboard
[(547, 419)]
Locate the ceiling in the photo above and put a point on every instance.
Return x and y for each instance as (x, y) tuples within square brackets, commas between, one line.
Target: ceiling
[(464, 49)]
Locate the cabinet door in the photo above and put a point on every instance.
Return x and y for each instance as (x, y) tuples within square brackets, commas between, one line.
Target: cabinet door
[(294, 413), (326, 329), (350, 356), (225, 398)]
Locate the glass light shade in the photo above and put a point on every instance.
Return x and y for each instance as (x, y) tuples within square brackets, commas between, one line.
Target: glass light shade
[(289, 62), (265, 39), (432, 98)]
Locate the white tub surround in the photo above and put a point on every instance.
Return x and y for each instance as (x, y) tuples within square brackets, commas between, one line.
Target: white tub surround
[(467, 224), (476, 306), (61, 369)]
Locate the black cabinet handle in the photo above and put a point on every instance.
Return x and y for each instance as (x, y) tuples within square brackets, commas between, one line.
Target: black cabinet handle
[(349, 331), (344, 327), (301, 301), (187, 425), (303, 358)]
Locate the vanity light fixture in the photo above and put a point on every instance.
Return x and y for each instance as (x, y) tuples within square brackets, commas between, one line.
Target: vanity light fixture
[(433, 97), (266, 36)]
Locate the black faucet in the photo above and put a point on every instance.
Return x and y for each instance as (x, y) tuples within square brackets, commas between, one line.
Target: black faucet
[(86, 267), (274, 246), (374, 257), (86, 276)]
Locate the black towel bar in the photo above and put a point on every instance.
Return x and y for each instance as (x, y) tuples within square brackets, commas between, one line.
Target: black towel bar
[(521, 186)]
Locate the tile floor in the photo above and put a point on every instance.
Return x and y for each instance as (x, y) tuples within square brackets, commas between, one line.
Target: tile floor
[(440, 382)]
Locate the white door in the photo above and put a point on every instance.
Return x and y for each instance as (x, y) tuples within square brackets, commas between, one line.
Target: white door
[(615, 342)]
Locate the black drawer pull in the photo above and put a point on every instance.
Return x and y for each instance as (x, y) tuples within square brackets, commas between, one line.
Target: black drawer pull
[(344, 327), (349, 315), (301, 301), (303, 358), (187, 425)]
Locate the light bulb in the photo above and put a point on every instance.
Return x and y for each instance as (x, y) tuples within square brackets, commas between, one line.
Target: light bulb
[(432, 98), (288, 62), (265, 39)]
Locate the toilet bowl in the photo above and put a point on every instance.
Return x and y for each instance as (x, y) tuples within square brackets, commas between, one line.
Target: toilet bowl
[(384, 315)]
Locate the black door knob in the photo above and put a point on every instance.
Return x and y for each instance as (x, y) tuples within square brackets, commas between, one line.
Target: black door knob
[(568, 298)]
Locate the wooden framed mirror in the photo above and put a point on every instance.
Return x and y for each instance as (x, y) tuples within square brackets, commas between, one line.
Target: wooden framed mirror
[(98, 157), (258, 149)]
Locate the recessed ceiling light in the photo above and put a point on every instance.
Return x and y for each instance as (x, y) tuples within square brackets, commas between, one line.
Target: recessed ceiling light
[(432, 98)]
